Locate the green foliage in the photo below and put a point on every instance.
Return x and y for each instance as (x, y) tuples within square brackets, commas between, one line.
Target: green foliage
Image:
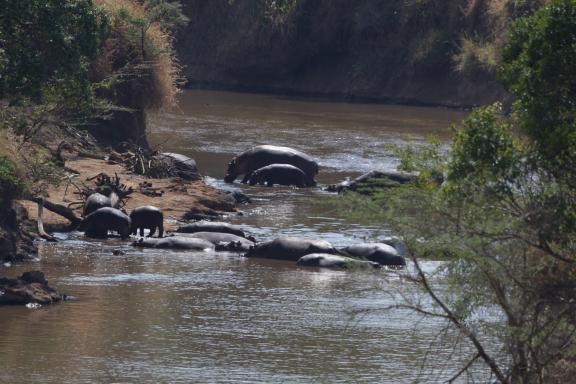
[(428, 159), (539, 68), (10, 183), (485, 150), (505, 221), (168, 13), (45, 42), (475, 57)]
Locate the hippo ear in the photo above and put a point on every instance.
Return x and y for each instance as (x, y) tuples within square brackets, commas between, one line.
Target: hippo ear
[(140, 240)]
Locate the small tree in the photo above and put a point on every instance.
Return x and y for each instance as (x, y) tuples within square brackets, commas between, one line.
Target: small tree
[(505, 221)]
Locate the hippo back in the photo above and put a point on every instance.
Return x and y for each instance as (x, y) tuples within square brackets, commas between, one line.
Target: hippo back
[(191, 244), (106, 219), (381, 253), (224, 241), (288, 248), (283, 174), (212, 226), (96, 201), (264, 155)]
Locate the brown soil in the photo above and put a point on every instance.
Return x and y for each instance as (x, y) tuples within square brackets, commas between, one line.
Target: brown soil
[(178, 198)]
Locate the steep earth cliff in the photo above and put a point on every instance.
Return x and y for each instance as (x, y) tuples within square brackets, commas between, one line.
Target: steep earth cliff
[(390, 50)]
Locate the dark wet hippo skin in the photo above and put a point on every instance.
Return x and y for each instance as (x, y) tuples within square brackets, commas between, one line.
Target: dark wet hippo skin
[(147, 217), (191, 244), (325, 260), (100, 222), (281, 174), (288, 248), (380, 253), (224, 241), (211, 226), (264, 155), (96, 201)]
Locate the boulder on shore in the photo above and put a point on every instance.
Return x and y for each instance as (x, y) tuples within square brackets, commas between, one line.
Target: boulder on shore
[(31, 287)]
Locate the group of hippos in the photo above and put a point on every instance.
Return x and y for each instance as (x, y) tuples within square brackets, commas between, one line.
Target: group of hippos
[(263, 164)]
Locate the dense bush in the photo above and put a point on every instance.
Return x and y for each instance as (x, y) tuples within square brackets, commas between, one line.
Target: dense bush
[(505, 221)]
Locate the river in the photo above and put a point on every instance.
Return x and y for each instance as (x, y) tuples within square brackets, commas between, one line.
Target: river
[(154, 316)]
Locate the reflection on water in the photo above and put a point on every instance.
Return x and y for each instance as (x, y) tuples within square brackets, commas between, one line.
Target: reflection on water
[(154, 316)]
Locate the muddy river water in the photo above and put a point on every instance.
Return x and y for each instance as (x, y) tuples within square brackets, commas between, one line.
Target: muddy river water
[(154, 316)]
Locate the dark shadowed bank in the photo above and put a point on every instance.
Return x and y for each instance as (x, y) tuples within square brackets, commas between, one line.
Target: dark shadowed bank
[(414, 52)]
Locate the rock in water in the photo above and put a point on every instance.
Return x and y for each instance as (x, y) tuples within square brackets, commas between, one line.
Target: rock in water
[(31, 287)]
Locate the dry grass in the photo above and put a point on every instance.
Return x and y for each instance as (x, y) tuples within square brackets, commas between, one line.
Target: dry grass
[(140, 51), (476, 57)]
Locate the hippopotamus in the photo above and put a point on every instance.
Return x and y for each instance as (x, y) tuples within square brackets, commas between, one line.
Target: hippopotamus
[(97, 200), (180, 165), (288, 248), (147, 217), (212, 226), (381, 253), (374, 179), (98, 223), (264, 155), (282, 174), (224, 241), (325, 260), (191, 244)]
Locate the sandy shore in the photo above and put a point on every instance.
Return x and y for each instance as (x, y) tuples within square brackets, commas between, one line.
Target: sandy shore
[(178, 197)]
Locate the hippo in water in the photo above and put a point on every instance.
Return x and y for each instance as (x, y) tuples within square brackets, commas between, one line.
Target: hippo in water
[(223, 241), (288, 248), (325, 260), (381, 253), (191, 244), (98, 223), (264, 155), (212, 226), (282, 174)]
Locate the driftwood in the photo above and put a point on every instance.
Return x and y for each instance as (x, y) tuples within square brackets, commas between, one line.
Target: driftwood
[(56, 208), (41, 230)]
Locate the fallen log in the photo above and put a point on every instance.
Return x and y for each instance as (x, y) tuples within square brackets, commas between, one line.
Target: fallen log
[(41, 230), (58, 209)]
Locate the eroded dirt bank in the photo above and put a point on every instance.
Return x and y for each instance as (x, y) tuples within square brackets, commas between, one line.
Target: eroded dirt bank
[(391, 51)]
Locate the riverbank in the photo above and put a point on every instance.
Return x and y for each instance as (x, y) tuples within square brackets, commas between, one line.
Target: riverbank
[(176, 197), (416, 53)]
